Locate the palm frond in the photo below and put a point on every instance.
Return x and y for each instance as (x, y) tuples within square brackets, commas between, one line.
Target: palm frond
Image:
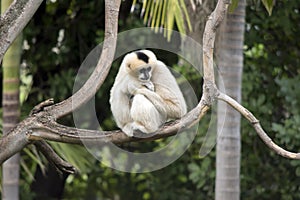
[(165, 13)]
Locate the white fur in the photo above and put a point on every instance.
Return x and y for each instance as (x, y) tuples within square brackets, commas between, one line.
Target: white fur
[(150, 107)]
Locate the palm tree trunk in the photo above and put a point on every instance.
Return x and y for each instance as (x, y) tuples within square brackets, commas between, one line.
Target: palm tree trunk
[(11, 112), (230, 57)]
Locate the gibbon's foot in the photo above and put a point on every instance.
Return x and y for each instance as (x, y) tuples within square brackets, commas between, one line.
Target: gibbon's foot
[(128, 130)]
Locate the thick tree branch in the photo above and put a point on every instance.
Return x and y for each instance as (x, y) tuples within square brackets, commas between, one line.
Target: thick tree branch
[(15, 140), (60, 133), (256, 125), (14, 20)]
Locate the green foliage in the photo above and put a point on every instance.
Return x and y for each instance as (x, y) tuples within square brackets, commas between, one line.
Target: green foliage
[(270, 79), (165, 13)]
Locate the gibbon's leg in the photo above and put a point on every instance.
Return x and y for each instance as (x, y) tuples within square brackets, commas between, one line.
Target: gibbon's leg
[(120, 107), (163, 99), (155, 100), (145, 116), (174, 103)]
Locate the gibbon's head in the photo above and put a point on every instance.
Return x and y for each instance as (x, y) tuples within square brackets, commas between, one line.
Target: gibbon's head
[(140, 64)]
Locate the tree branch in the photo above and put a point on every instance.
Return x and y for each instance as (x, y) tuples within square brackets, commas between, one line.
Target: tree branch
[(53, 158), (256, 125), (209, 36), (56, 132), (88, 90), (14, 20)]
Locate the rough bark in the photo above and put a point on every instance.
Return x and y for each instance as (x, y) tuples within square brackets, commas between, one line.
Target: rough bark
[(14, 20), (230, 63)]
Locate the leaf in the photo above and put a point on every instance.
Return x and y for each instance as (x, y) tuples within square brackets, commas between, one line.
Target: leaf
[(268, 5), (187, 18), (133, 6), (164, 14), (159, 15), (155, 15), (178, 17), (147, 6)]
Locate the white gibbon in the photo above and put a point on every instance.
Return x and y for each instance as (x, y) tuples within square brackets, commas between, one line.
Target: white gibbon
[(141, 101)]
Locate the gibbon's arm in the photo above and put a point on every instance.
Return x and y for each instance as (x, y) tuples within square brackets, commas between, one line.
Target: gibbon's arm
[(155, 99), (167, 88), (120, 102), (174, 101)]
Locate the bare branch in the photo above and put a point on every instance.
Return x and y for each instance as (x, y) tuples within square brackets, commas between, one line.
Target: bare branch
[(14, 20), (97, 78), (60, 133), (209, 36), (256, 125), (15, 140)]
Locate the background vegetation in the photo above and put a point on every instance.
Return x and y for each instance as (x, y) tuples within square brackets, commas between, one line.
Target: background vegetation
[(62, 33)]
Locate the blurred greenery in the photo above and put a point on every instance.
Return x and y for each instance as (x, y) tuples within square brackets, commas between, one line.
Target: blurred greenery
[(62, 33)]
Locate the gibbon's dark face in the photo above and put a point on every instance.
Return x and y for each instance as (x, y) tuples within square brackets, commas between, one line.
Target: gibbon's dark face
[(145, 73)]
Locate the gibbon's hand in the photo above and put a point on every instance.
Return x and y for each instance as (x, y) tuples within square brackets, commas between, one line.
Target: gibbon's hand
[(133, 87), (149, 85)]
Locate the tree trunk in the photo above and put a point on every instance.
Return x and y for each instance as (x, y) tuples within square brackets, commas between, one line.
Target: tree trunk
[(230, 60), (11, 112), (198, 15)]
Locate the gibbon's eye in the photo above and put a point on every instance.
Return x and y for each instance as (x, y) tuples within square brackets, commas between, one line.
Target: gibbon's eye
[(149, 69)]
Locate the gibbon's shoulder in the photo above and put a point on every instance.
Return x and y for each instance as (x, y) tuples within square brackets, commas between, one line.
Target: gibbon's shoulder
[(161, 69), (163, 74)]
